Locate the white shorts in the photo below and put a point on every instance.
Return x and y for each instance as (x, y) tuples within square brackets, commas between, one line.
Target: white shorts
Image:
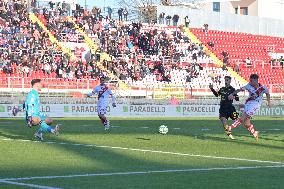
[(251, 107), (102, 110)]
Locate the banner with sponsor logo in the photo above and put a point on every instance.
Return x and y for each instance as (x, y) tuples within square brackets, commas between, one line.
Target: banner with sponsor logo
[(126, 110)]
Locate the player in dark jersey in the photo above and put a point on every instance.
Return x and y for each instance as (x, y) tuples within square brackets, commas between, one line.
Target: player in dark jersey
[(227, 109)]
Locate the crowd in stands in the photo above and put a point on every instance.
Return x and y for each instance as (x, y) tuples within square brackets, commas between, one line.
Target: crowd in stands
[(25, 49)]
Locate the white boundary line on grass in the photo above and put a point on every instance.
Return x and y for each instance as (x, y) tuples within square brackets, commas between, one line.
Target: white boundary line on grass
[(150, 151), (25, 184), (143, 172)]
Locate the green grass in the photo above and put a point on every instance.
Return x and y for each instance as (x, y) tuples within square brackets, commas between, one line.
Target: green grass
[(198, 136)]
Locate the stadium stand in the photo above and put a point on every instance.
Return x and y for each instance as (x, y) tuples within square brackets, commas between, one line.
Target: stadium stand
[(240, 47), (140, 54)]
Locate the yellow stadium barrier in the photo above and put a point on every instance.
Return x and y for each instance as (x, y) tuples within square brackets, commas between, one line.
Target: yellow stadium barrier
[(65, 50), (103, 56)]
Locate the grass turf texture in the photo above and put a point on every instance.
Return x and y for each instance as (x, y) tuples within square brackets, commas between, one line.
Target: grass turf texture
[(202, 136)]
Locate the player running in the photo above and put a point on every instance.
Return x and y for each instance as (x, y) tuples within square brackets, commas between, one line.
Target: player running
[(227, 109), (252, 105), (33, 115), (103, 93)]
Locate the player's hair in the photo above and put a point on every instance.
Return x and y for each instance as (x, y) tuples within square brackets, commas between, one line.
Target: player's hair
[(229, 77), (34, 81), (253, 76)]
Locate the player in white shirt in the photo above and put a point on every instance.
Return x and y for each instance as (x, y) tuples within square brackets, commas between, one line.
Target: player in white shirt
[(103, 93), (252, 105)]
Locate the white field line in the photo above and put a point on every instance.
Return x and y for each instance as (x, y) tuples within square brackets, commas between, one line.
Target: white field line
[(25, 184), (142, 172), (152, 151)]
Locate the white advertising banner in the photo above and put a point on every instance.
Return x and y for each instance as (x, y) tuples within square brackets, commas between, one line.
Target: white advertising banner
[(126, 110)]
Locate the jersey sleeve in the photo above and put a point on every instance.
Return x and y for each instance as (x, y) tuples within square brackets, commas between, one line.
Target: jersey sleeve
[(215, 92), (266, 90), (246, 87), (94, 91), (112, 96)]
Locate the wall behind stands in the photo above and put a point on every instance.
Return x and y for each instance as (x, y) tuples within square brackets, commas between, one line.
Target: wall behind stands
[(226, 22)]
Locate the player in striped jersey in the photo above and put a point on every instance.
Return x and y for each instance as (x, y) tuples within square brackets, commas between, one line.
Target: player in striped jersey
[(252, 105)]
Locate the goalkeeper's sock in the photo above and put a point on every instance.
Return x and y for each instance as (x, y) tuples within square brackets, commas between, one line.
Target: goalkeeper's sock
[(235, 124)]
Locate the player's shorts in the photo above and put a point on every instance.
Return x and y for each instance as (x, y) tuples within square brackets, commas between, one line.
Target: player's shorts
[(229, 112), (102, 110), (251, 107)]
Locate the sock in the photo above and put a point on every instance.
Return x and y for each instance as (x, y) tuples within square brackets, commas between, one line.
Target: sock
[(235, 124), (251, 130), (45, 128), (105, 123)]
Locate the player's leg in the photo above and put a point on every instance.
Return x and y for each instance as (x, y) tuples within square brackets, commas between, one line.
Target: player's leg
[(101, 113), (224, 123), (240, 120), (251, 111), (104, 121), (44, 127), (237, 122), (223, 116)]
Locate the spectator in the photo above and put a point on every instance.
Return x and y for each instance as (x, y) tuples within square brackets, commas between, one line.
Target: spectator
[(205, 28), (237, 67), (162, 18), (248, 62), (135, 53), (109, 12), (168, 20), (47, 68), (51, 5), (99, 11), (175, 20), (186, 21), (125, 14), (120, 12), (281, 62)]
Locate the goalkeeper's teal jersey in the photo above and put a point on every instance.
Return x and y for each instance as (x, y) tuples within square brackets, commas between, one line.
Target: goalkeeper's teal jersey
[(32, 104)]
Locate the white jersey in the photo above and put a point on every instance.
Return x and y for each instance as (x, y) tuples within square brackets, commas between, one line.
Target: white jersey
[(255, 94), (103, 93)]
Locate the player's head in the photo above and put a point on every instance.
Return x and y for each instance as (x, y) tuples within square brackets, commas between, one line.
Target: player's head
[(228, 80), (253, 79), (36, 84)]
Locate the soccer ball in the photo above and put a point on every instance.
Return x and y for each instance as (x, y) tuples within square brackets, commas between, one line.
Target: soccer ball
[(163, 129)]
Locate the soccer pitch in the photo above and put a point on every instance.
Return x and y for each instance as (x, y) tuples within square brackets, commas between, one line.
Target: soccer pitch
[(194, 154)]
